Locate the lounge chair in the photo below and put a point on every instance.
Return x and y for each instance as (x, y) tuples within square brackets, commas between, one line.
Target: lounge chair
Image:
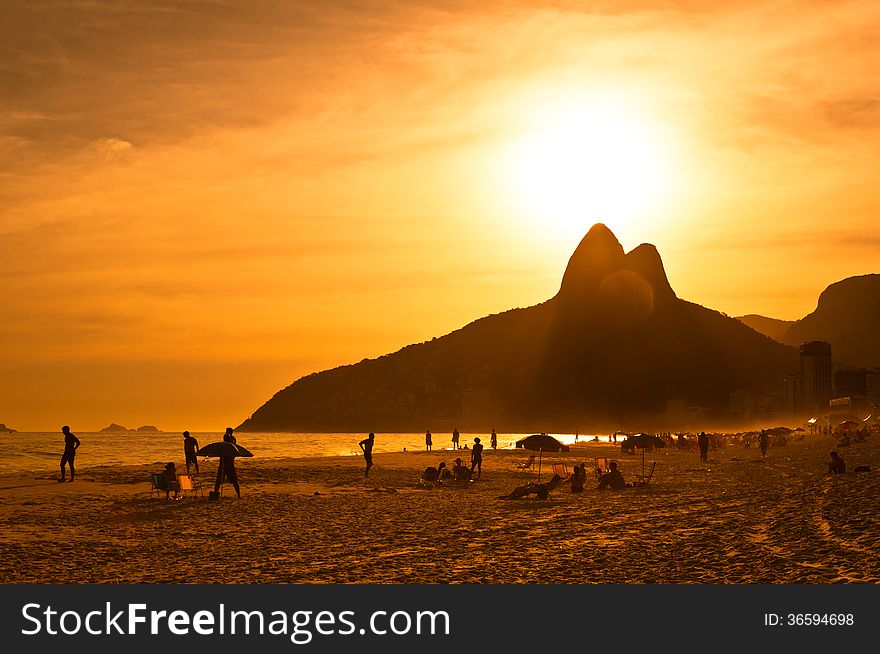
[(158, 484), (189, 486), (601, 465), (527, 464), (562, 470)]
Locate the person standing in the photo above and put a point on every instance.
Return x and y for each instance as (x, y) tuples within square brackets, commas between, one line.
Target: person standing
[(477, 458), (226, 469), (764, 442), (455, 437), (367, 448), (71, 445), (494, 440), (190, 447), (703, 443), (428, 441)]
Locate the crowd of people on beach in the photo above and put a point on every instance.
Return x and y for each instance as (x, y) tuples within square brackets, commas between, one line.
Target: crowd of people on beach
[(610, 478)]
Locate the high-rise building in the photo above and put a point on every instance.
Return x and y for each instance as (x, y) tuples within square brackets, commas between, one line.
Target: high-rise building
[(816, 376)]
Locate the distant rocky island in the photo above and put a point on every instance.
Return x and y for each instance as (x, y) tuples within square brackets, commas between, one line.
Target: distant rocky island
[(6, 430), (113, 427), (615, 346)]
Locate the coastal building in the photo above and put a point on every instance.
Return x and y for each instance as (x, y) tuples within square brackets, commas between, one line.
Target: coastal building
[(791, 391), (741, 406), (872, 392), (816, 376), (852, 384)]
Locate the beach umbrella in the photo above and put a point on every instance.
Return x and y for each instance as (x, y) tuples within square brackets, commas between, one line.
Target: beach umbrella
[(541, 443), (223, 448), (643, 441)]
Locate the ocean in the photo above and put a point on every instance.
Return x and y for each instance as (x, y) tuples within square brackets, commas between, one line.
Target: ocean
[(41, 451)]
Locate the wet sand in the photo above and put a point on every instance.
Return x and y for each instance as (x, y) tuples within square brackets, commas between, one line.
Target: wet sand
[(737, 519)]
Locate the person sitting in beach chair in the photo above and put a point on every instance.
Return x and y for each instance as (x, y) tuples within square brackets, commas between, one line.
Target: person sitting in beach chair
[(170, 475), (432, 474), (612, 479), (460, 472), (541, 490)]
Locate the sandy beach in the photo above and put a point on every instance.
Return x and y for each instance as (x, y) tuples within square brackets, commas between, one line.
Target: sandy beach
[(735, 519)]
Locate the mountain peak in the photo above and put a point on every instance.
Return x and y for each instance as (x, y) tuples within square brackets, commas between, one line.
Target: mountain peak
[(598, 254)]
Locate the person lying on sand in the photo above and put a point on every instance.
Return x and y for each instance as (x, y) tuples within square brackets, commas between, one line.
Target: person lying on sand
[(434, 474), (541, 490), (612, 479), (836, 465)]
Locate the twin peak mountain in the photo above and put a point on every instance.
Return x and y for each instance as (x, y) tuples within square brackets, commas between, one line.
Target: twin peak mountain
[(610, 348)]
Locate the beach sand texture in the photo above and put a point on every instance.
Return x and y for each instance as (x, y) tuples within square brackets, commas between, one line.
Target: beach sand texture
[(736, 519)]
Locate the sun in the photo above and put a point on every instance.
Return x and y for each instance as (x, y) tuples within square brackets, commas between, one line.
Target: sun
[(593, 161)]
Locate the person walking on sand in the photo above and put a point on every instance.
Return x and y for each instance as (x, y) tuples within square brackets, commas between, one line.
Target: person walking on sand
[(428, 441), (493, 441), (455, 437), (190, 447), (703, 442), (764, 442), (367, 448), (71, 444), (477, 457)]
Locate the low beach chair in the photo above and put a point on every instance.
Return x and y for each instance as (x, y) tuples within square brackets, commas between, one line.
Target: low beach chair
[(189, 486), (561, 469), (527, 464), (158, 484), (602, 463)]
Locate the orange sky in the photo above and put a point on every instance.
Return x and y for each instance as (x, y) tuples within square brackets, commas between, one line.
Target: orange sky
[(200, 202)]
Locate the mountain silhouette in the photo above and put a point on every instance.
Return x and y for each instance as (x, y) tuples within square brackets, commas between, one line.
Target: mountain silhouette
[(772, 327), (847, 316), (615, 343)]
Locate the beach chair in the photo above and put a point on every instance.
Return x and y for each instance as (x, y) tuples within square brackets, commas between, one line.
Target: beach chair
[(158, 484), (561, 469), (527, 464), (189, 486), (601, 464)]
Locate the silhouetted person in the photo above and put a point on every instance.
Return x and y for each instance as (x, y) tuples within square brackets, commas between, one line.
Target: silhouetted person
[(428, 441), (493, 441), (477, 458), (71, 444), (836, 466), (171, 483), (190, 447), (460, 471), (228, 437), (227, 470), (703, 443), (764, 442), (612, 479), (578, 477), (434, 474), (455, 437), (541, 490), (367, 448)]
